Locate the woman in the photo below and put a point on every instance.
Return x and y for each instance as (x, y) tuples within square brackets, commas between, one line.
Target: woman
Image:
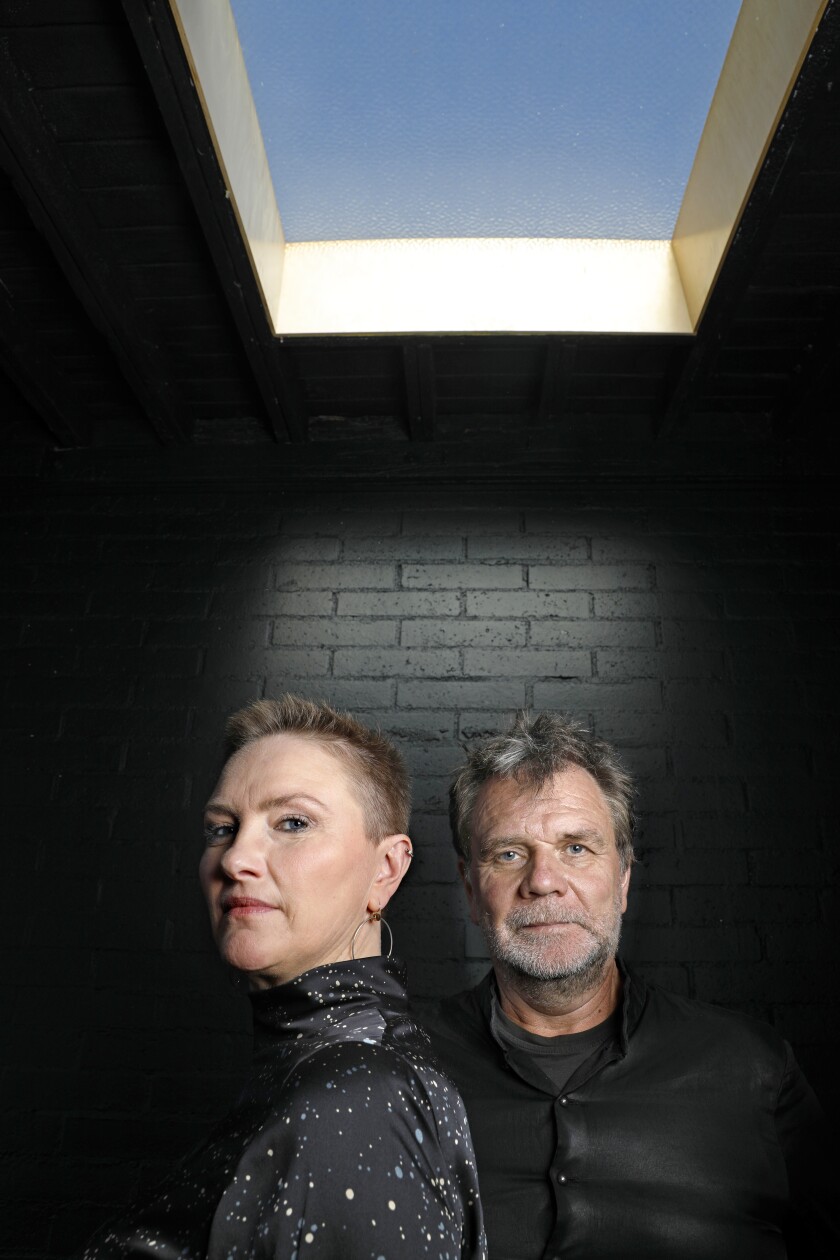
[(347, 1142)]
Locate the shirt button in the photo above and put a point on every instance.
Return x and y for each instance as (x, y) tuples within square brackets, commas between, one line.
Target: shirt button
[(564, 1102), (561, 1177)]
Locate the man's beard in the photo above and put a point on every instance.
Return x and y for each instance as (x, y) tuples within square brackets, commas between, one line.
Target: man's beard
[(540, 962)]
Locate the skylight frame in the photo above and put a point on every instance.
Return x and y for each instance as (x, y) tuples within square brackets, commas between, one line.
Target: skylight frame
[(487, 285)]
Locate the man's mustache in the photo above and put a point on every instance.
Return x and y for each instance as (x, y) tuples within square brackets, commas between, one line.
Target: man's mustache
[(543, 916)]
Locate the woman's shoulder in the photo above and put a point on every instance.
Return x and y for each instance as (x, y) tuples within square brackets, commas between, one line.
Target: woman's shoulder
[(363, 1078)]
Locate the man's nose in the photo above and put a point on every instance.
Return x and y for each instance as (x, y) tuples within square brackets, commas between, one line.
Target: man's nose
[(245, 856), (544, 875)]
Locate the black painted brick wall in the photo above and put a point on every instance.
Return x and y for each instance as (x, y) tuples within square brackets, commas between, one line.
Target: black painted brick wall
[(695, 629)]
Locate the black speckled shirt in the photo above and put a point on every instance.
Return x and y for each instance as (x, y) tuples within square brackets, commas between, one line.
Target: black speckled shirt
[(347, 1143)]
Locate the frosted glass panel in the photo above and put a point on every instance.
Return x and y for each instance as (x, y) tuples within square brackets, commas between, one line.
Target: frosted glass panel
[(519, 118)]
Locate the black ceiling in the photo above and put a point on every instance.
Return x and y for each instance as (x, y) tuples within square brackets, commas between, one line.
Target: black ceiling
[(133, 341)]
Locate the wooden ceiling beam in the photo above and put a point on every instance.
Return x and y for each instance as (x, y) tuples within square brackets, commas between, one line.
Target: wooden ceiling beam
[(159, 44), (421, 404), (58, 209), (39, 380), (560, 356)]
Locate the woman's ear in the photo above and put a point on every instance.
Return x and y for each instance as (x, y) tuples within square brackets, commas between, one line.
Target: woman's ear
[(395, 854)]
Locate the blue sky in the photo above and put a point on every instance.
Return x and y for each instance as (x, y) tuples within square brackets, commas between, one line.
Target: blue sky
[(392, 118)]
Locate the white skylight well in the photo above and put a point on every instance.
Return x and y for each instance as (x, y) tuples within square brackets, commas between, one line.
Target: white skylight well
[(491, 165)]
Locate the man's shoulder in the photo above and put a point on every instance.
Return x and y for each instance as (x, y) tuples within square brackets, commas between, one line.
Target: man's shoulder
[(460, 1014), (700, 1022)]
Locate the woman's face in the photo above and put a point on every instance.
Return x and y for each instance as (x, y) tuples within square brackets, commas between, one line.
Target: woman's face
[(287, 869)]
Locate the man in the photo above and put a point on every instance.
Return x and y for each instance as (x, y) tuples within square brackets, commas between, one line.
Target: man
[(611, 1120)]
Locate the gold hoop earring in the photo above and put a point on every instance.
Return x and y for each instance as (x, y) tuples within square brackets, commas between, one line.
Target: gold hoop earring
[(375, 916)]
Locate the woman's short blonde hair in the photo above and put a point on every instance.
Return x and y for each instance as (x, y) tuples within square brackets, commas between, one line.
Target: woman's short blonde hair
[(377, 769)]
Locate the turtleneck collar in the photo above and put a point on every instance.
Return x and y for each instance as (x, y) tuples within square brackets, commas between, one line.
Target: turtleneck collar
[(327, 996)]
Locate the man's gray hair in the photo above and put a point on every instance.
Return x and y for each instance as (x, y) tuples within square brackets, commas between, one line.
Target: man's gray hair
[(531, 753)]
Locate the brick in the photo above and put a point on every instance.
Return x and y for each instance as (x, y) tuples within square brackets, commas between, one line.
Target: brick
[(336, 577), (467, 632), (684, 696), (716, 577), (528, 547), (589, 697), (432, 758), (629, 663), (483, 725), (693, 760), (640, 550), (372, 523), (47, 604), (344, 693), (648, 906), (333, 631), (466, 521), (718, 944), (404, 549), (415, 725), (399, 604), (632, 729), (297, 549), (702, 830), (279, 604), (696, 868), (807, 665), (812, 577), (590, 577), (527, 663), (107, 631), (806, 634), (13, 632), (229, 661), (698, 635), (686, 795), (630, 604), (766, 605), (140, 603), (117, 577), (178, 662), (457, 694), (535, 604), (762, 906), (435, 863), (396, 662), (483, 577), (432, 831), (592, 634), (770, 868)]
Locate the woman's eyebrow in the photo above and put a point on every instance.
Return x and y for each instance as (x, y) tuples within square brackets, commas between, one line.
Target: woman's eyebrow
[(277, 802), (218, 807)]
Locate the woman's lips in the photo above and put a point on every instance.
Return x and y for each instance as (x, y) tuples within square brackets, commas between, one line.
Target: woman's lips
[(242, 907)]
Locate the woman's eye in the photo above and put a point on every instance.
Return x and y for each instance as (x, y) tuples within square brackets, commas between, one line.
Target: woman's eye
[(218, 833), (293, 823)]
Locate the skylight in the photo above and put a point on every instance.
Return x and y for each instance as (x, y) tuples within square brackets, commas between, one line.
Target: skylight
[(491, 165), (482, 118)]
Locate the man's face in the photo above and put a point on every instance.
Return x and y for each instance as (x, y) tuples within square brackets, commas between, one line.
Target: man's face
[(544, 882)]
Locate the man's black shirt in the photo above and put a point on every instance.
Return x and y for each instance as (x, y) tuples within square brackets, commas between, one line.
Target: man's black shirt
[(692, 1135)]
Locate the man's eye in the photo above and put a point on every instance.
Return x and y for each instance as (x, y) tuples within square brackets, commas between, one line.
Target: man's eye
[(293, 823), (576, 849), (507, 856), (218, 833)]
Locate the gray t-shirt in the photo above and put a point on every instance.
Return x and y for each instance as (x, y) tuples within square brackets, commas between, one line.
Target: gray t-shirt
[(557, 1057)]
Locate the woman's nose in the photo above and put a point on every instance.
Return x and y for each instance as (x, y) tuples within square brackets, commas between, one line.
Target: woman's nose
[(245, 856)]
